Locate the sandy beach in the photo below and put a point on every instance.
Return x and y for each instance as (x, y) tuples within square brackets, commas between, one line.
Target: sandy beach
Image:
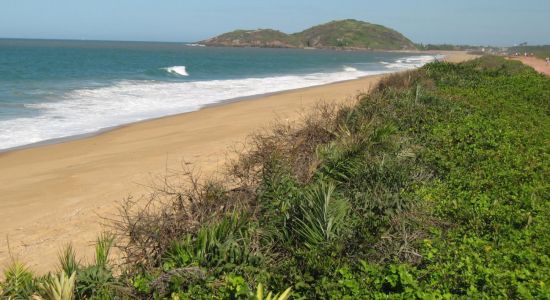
[(536, 63), (51, 195)]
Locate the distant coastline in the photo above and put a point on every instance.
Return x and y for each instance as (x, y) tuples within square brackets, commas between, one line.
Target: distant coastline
[(336, 35)]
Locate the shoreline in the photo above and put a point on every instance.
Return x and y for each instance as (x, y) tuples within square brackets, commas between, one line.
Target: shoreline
[(74, 137), (57, 194), (100, 131), (84, 135)]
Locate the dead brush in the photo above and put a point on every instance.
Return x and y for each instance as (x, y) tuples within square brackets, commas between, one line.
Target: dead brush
[(402, 80), (181, 201), (177, 205), (292, 143)]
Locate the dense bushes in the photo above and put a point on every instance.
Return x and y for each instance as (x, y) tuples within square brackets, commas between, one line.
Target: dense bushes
[(435, 185)]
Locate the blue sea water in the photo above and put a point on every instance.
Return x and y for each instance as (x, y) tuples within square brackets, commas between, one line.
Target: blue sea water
[(53, 89)]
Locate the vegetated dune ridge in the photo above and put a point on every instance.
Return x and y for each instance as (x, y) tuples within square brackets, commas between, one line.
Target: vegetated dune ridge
[(56, 194)]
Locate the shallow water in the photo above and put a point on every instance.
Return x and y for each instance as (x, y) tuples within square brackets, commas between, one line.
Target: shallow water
[(52, 89)]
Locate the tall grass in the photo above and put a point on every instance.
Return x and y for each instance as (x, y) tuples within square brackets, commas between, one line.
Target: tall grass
[(68, 262)]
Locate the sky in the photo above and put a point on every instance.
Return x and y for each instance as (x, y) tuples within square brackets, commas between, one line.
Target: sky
[(474, 22)]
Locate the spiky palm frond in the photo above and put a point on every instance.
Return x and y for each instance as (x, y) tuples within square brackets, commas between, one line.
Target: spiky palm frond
[(60, 287), (270, 296), (322, 215), (18, 281), (67, 260), (103, 248)]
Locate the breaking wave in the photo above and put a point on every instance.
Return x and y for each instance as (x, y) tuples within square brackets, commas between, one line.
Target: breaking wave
[(177, 70)]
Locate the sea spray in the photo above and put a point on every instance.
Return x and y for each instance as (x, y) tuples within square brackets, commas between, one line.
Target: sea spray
[(177, 70)]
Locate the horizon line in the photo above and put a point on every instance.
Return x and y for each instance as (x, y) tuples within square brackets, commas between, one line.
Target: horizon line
[(194, 42)]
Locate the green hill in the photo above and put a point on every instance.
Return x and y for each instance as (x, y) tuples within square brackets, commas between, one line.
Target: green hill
[(345, 34), (353, 34), (253, 38)]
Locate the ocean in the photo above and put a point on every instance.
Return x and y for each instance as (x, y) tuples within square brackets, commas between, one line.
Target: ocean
[(52, 89)]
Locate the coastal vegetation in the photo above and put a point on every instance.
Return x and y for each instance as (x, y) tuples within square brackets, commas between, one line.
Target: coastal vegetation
[(542, 51), (343, 34), (433, 186), (447, 47)]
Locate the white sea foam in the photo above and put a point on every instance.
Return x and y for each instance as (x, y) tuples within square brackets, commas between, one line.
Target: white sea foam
[(88, 110), (195, 45), (177, 70), (350, 69), (411, 62)]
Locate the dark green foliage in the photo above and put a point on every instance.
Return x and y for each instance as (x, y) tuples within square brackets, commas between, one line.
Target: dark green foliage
[(96, 282), (227, 241)]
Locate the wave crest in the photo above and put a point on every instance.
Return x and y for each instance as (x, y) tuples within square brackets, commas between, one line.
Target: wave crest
[(177, 70), (350, 69)]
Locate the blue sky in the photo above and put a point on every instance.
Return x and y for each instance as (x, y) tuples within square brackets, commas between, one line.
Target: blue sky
[(496, 22)]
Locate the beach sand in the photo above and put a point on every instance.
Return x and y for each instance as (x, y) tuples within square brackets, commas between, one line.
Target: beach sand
[(536, 63), (52, 195)]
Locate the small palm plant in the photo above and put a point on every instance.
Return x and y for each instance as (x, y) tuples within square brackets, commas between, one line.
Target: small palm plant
[(60, 287), (322, 215), (18, 283), (270, 296)]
